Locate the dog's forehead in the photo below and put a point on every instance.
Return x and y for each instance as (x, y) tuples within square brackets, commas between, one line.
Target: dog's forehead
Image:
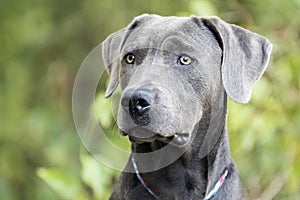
[(166, 26), (167, 23), (156, 31)]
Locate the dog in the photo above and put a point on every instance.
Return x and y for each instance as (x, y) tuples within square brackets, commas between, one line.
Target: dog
[(175, 74)]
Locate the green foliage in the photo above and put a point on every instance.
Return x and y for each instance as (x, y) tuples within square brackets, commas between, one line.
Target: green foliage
[(61, 182), (94, 183), (98, 177), (42, 44)]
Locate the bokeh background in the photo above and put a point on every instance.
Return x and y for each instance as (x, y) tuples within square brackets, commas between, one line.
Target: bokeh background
[(42, 44)]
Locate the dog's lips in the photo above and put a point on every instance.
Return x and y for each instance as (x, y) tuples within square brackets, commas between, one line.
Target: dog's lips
[(177, 139)]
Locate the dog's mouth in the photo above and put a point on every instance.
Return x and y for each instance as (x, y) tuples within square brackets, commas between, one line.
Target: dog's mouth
[(178, 139)]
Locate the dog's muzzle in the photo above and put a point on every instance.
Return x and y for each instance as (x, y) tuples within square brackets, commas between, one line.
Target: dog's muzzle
[(138, 104)]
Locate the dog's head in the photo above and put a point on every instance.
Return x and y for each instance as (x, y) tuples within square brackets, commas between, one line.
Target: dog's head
[(170, 68)]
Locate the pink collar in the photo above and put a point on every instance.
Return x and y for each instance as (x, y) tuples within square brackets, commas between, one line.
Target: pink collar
[(209, 196)]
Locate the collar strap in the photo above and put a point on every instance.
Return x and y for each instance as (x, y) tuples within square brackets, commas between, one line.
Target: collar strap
[(210, 195), (217, 186), (141, 179)]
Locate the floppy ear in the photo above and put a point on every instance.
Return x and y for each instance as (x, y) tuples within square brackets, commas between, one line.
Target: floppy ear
[(245, 57), (111, 48), (111, 56)]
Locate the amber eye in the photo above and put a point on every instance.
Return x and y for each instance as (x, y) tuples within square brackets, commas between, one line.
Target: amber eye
[(184, 60), (130, 58)]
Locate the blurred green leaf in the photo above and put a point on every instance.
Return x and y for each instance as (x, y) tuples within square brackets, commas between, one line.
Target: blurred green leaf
[(96, 176), (203, 8), (103, 110), (62, 182)]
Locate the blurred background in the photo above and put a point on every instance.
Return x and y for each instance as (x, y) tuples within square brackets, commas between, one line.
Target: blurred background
[(43, 43)]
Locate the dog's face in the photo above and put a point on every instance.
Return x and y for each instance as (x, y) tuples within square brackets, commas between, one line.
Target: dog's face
[(162, 77), (169, 70)]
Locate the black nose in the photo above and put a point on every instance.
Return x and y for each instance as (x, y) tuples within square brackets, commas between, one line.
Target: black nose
[(139, 106), (139, 103)]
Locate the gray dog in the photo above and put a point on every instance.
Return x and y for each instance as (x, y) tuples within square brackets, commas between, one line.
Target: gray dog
[(175, 74)]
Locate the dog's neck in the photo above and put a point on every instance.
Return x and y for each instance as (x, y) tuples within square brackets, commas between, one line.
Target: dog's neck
[(198, 173)]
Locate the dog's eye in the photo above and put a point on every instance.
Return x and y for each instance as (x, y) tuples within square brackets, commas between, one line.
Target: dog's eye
[(129, 58), (184, 60)]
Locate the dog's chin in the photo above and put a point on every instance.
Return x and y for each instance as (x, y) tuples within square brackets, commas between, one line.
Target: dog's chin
[(178, 139)]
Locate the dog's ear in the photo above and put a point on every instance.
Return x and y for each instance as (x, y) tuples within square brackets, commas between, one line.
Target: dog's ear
[(245, 57), (111, 49), (111, 59)]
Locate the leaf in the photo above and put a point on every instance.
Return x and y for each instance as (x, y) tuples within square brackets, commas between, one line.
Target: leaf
[(96, 176), (103, 110), (62, 182), (203, 8)]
